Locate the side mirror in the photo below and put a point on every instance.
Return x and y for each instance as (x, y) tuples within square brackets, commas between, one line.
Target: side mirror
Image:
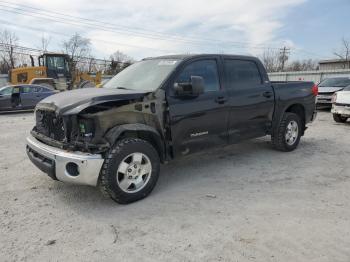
[(193, 88)]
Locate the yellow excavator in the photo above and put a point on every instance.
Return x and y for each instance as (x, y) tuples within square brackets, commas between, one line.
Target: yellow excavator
[(54, 71)]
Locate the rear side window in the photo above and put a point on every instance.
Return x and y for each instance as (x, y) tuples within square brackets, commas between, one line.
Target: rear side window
[(38, 89), (242, 74), (204, 68), (27, 89)]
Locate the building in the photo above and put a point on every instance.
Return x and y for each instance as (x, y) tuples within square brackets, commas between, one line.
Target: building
[(334, 64), (3, 80)]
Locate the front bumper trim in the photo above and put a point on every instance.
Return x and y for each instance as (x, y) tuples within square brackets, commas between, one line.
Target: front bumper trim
[(343, 110), (53, 161)]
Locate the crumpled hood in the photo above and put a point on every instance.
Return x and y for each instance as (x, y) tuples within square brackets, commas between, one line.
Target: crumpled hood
[(329, 89), (74, 101)]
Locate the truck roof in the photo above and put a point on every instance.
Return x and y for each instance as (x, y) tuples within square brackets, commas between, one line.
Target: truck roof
[(188, 56)]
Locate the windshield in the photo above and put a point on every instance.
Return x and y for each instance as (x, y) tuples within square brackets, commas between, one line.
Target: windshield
[(146, 75), (335, 82), (347, 88), (56, 63)]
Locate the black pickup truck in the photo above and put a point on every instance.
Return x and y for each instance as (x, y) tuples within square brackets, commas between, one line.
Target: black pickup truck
[(159, 109)]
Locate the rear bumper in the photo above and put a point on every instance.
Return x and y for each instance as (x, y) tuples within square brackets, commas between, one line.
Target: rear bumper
[(343, 110), (324, 100), (71, 167)]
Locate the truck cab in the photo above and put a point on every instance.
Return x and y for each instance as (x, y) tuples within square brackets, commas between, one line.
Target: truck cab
[(57, 68)]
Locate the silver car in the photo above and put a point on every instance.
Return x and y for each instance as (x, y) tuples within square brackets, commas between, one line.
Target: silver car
[(22, 97), (328, 87)]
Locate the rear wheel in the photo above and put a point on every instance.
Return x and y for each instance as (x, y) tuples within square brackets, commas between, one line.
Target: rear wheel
[(339, 119), (130, 171), (287, 135)]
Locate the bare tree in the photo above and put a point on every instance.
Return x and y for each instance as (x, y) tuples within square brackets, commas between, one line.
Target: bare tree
[(44, 43), (8, 43), (303, 65), (119, 56), (78, 48), (344, 52), (270, 59), (91, 62), (119, 61)]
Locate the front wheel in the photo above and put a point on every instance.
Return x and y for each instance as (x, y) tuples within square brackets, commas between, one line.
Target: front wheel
[(287, 135), (130, 171), (339, 119)]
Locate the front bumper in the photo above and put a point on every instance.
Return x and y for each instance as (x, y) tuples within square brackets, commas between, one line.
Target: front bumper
[(343, 110), (71, 167)]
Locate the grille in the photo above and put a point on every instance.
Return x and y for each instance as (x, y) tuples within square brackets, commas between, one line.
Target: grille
[(326, 93), (50, 125)]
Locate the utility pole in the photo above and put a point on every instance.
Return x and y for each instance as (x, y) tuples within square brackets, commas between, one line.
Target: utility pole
[(284, 53)]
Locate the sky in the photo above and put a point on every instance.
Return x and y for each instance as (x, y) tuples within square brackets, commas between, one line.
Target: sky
[(310, 28)]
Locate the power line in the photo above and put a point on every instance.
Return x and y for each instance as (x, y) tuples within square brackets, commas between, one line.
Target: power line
[(128, 29), (27, 51), (36, 29), (109, 27), (86, 19), (106, 28)]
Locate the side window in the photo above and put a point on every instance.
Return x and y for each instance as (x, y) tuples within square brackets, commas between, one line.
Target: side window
[(27, 89), (16, 90), (242, 74), (38, 89), (22, 77), (204, 68)]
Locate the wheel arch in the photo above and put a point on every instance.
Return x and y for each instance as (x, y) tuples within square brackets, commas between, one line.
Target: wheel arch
[(140, 131), (299, 110)]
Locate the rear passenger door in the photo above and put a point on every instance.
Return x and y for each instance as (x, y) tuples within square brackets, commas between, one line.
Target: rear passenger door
[(43, 92), (200, 122), (28, 97), (251, 99)]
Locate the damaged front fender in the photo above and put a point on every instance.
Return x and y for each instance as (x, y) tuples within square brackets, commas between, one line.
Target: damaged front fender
[(142, 131)]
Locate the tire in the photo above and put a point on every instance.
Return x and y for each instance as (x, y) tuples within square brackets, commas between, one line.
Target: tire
[(279, 137), (115, 174), (339, 119)]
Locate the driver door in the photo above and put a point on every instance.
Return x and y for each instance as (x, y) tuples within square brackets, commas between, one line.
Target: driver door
[(199, 122), (5, 98)]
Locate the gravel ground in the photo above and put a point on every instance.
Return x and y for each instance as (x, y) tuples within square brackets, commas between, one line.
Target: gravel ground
[(245, 202)]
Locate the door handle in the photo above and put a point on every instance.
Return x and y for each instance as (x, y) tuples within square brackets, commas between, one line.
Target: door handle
[(267, 94), (221, 100)]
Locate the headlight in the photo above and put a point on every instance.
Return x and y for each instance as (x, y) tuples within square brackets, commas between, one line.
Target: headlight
[(86, 128)]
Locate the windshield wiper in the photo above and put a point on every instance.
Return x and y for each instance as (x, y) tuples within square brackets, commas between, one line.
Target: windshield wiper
[(120, 87)]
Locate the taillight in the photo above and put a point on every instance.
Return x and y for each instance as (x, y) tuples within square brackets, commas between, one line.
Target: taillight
[(315, 90), (334, 98)]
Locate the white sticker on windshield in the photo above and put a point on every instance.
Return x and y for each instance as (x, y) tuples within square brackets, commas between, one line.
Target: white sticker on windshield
[(167, 62)]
